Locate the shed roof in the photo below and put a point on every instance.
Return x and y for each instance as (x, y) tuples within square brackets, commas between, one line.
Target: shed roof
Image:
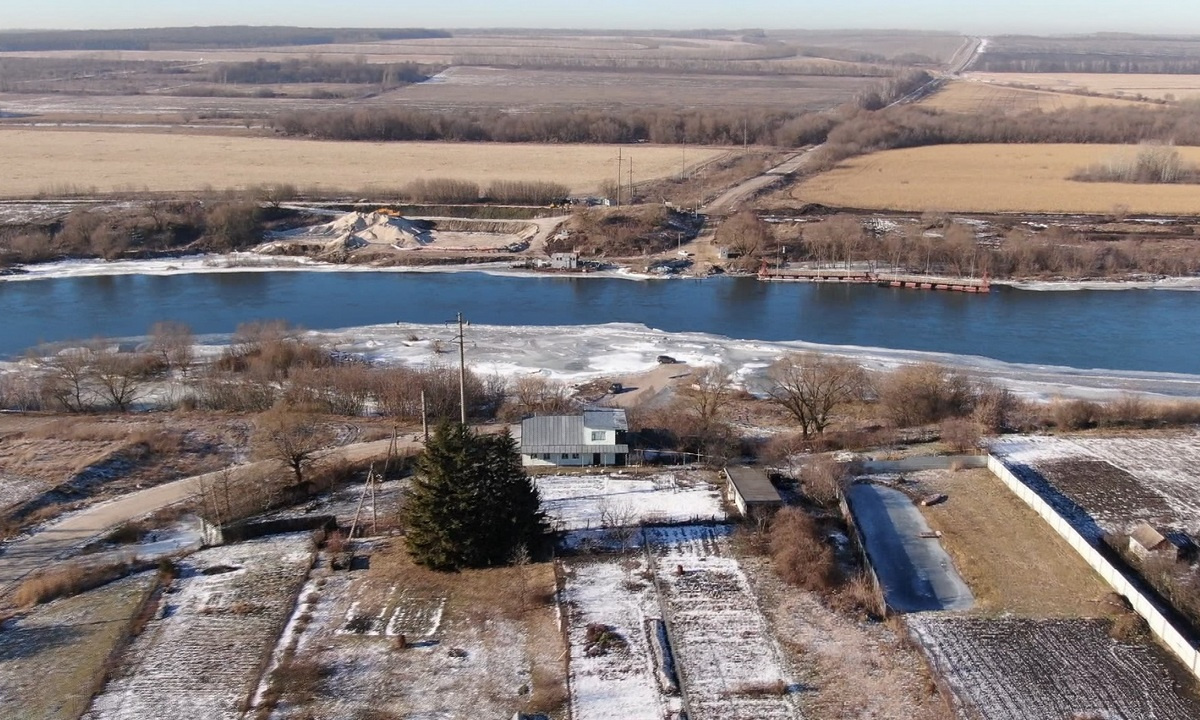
[(752, 484), (1146, 536), (605, 419)]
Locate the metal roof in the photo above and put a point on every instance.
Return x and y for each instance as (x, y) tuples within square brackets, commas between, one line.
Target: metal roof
[(605, 419), (551, 430), (752, 484)]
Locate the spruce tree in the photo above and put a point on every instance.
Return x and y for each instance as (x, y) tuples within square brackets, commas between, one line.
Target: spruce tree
[(471, 504)]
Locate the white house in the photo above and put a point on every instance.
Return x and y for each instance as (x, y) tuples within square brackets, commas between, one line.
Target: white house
[(594, 437)]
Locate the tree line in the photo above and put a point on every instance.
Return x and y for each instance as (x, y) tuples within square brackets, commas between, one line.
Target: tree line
[(295, 70), (1144, 64), (908, 126), (703, 126), (200, 38), (157, 226), (937, 245)]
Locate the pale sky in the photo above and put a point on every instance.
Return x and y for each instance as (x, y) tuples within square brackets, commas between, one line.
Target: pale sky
[(1178, 17)]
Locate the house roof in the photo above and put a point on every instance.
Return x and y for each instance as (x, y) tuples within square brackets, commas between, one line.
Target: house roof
[(551, 430), (752, 484), (605, 419), (1146, 536)]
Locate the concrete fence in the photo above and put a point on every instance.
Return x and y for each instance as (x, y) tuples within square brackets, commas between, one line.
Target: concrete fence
[(1175, 641)]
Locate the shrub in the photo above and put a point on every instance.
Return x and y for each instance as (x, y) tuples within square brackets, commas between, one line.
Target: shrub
[(799, 553), (924, 393), (823, 479), (1075, 414)]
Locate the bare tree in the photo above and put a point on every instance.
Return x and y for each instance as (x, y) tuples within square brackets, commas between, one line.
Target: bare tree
[(705, 404), (811, 386), (292, 438), (173, 342), (119, 377), (68, 380)]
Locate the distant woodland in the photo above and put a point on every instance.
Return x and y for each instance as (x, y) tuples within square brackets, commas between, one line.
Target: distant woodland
[(199, 38)]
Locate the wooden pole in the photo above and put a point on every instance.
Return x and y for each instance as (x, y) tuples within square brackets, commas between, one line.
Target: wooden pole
[(462, 372), (424, 418), (362, 496)]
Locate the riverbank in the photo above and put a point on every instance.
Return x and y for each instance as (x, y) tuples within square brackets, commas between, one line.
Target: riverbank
[(250, 262)]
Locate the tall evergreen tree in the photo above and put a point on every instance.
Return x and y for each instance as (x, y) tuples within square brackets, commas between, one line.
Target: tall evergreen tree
[(471, 504)]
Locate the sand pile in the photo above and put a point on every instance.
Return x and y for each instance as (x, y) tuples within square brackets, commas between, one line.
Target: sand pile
[(356, 229)]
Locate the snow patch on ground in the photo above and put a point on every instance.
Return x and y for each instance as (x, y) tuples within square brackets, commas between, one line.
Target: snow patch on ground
[(583, 502), (199, 657)]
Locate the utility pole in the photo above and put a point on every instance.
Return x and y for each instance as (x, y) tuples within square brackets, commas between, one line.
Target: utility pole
[(462, 372), (424, 418), (631, 180), (619, 165)]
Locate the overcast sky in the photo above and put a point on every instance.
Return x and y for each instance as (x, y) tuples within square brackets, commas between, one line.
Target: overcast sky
[(995, 16)]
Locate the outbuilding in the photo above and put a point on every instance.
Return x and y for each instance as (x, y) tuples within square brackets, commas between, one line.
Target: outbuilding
[(1145, 541), (751, 491)]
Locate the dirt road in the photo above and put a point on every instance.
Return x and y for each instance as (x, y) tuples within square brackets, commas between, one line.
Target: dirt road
[(729, 200), (60, 539)]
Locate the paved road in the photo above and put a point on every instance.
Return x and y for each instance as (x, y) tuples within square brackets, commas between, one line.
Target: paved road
[(60, 539), (916, 573)]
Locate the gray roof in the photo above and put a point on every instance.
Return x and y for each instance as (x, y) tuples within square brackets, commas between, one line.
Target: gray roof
[(752, 484), (551, 430), (605, 419)]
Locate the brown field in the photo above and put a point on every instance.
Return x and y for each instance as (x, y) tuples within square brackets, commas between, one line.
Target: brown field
[(989, 98), (992, 536), (993, 178), (530, 89), (1155, 87), (44, 161)]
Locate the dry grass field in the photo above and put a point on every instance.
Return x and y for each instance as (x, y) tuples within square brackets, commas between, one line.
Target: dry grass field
[(992, 535), (43, 161), (533, 89), (989, 98), (1155, 87), (993, 178)]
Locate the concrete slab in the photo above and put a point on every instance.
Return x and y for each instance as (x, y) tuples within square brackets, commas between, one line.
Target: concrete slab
[(916, 573)]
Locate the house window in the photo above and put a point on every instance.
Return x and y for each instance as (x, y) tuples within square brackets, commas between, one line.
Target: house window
[(545, 456), (597, 436), (574, 456), (564, 456)]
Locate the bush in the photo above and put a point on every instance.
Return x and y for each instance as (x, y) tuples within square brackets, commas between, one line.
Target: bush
[(822, 480), (1075, 414), (800, 555), (924, 393)]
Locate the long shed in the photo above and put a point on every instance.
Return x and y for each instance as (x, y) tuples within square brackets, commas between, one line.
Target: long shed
[(752, 491)]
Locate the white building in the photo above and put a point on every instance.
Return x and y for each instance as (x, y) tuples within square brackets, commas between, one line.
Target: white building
[(594, 437)]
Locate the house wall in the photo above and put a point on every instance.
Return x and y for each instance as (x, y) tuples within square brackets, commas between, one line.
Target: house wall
[(610, 437), (556, 460)]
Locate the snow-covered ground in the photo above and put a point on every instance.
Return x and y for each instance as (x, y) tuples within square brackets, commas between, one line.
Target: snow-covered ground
[(1024, 669), (619, 684), (583, 502), (729, 660), (578, 353), (242, 262), (1153, 477), (200, 657)]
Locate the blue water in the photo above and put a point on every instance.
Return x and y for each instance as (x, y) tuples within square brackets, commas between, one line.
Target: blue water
[(1119, 330)]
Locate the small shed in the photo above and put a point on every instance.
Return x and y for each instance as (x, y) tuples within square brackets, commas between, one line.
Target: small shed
[(751, 491), (1145, 541)]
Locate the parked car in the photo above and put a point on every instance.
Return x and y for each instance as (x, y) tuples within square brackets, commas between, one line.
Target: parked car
[(666, 360)]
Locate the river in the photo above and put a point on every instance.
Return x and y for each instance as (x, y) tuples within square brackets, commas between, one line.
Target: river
[(1128, 330)]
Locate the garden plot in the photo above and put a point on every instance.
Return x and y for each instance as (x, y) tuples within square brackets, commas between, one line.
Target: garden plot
[(615, 679), (730, 664), (203, 653), (1115, 481), (1050, 670), (52, 658), (582, 502), (472, 647)]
